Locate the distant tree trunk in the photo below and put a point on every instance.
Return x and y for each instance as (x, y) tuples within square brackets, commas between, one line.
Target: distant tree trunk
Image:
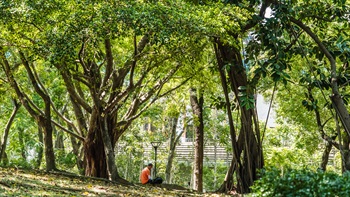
[(16, 106), (39, 149), (325, 156), (77, 151), (328, 147), (197, 108), (21, 144), (172, 147), (215, 164), (82, 125), (59, 144)]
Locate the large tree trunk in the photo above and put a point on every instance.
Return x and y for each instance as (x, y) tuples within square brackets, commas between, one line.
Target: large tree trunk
[(99, 148), (7, 129), (94, 155), (247, 149), (48, 142), (109, 151), (197, 108)]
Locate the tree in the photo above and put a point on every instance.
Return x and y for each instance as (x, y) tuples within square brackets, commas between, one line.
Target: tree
[(113, 67), (303, 35), (172, 116), (43, 118), (246, 144), (197, 108), (16, 106)]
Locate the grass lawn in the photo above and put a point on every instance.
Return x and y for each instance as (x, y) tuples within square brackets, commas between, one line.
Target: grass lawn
[(19, 182)]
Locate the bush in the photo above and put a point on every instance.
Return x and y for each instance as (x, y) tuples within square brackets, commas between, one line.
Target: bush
[(301, 183)]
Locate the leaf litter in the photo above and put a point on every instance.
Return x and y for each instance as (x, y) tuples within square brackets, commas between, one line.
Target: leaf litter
[(21, 182)]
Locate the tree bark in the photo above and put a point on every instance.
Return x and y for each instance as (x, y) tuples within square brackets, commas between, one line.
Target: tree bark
[(248, 143), (77, 151), (48, 142), (59, 144), (39, 149), (43, 120), (99, 148), (94, 155), (172, 146), (325, 156), (328, 147), (109, 151), (197, 108), (21, 142), (16, 107)]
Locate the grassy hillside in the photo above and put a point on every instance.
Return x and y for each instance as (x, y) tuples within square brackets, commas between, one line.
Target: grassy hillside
[(19, 182)]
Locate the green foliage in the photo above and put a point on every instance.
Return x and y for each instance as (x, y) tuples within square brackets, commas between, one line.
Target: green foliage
[(22, 141), (213, 175), (301, 183), (288, 146), (247, 99), (64, 160)]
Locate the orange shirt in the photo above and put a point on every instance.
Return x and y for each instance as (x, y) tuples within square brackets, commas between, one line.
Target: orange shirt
[(145, 174)]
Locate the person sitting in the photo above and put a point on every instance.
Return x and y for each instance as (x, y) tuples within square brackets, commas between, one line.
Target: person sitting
[(145, 176)]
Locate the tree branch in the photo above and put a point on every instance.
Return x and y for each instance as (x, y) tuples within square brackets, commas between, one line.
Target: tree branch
[(69, 122), (131, 78), (130, 117), (318, 42), (15, 86), (336, 98), (265, 4), (38, 89), (68, 131), (72, 92), (124, 94), (16, 107), (121, 73), (80, 55)]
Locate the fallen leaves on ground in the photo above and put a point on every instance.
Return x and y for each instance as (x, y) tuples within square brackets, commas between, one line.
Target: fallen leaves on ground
[(17, 182)]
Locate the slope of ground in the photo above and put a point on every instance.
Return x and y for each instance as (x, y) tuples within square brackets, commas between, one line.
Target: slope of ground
[(18, 182)]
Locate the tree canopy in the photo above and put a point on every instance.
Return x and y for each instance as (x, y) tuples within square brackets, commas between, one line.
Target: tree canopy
[(80, 79)]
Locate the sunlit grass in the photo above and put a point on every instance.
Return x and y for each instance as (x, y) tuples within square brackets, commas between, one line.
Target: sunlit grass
[(18, 182)]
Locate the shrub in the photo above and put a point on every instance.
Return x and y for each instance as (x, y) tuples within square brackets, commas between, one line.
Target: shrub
[(301, 183)]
